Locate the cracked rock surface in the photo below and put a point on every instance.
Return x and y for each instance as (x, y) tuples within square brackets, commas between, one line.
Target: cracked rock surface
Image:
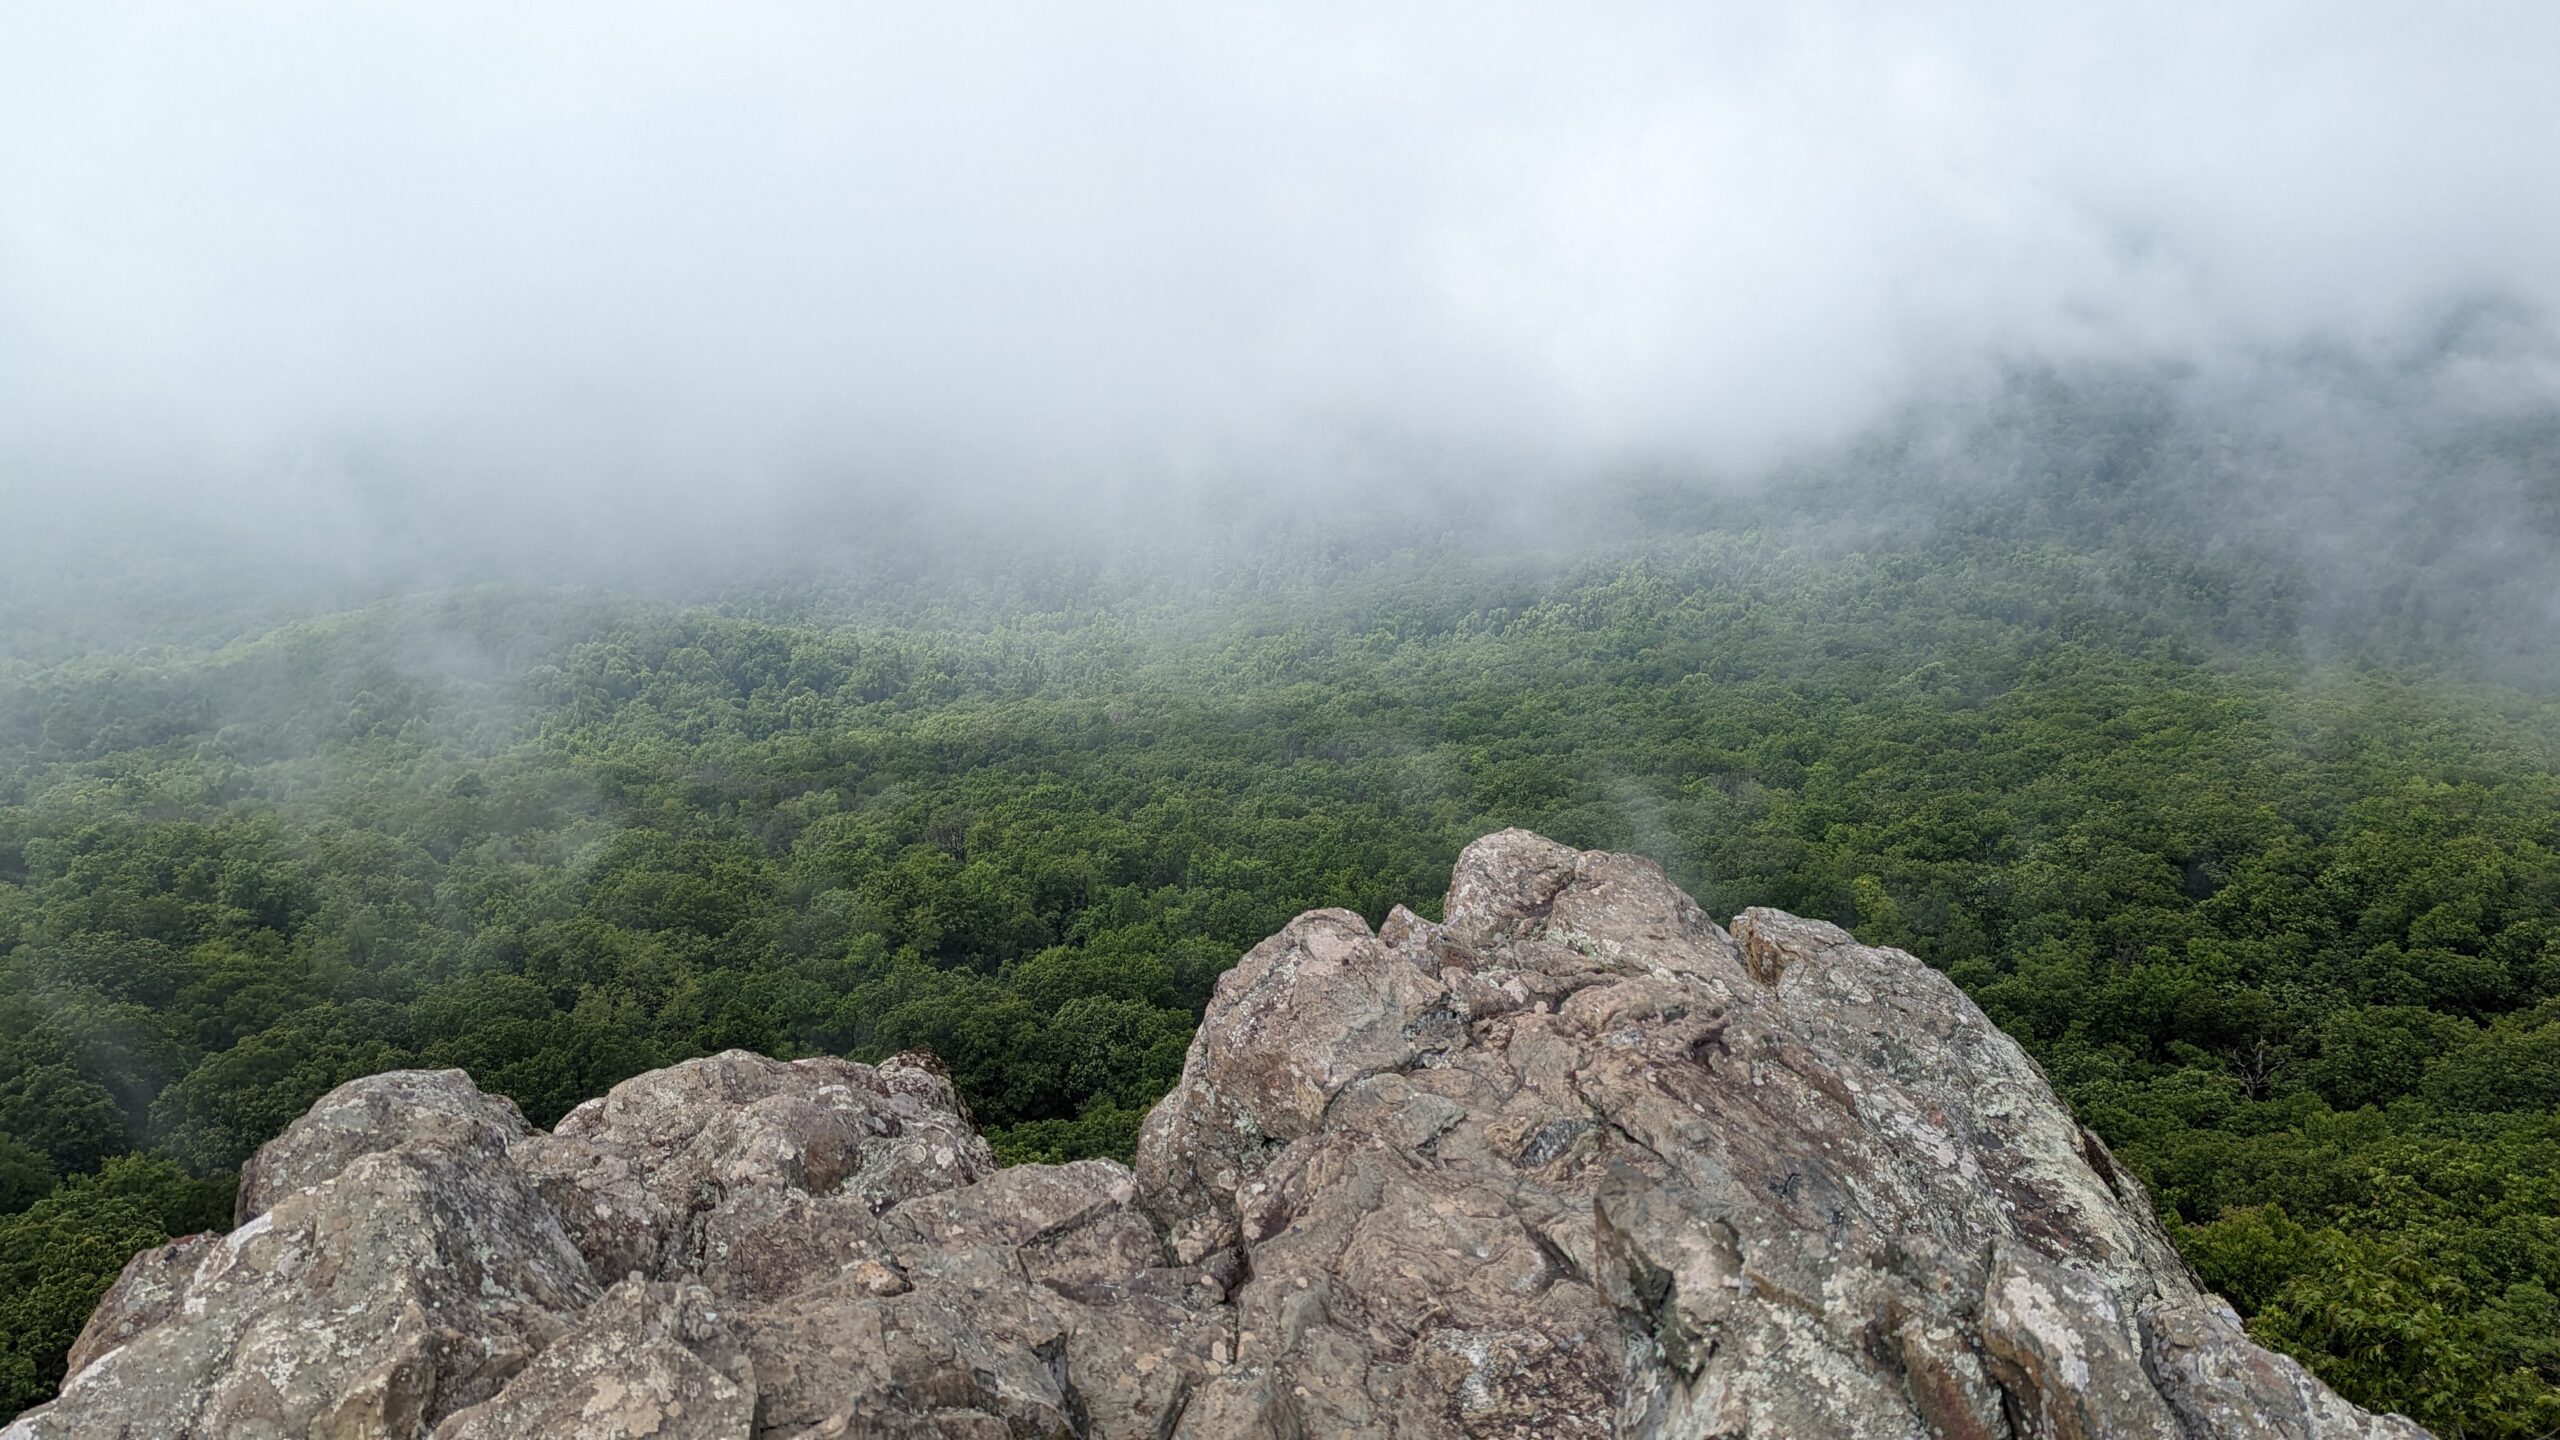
[(1575, 1161)]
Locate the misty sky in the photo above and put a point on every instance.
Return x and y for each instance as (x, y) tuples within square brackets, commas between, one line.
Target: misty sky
[(264, 248)]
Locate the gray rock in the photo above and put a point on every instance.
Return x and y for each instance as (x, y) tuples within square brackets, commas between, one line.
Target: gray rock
[(2064, 1350), (2220, 1384), (146, 1293), (749, 1175), (363, 1116), (1575, 1161), (646, 1360), (418, 1280)]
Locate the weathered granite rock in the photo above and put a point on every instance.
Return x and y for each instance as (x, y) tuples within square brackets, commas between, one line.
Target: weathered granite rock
[(1573, 1161), (404, 1107), (647, 1360), (414, 1282), (749, 1175)]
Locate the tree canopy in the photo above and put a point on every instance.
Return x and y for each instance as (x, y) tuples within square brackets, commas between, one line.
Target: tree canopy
[(2277, 906)]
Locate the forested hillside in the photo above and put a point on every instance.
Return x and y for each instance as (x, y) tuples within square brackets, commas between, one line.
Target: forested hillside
[(2260, 858)]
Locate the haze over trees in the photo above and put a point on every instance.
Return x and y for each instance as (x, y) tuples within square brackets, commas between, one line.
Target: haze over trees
[(555, 544), (2278, 906)]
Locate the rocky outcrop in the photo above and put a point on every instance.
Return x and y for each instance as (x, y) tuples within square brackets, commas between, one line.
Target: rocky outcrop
[(1575, 1160)]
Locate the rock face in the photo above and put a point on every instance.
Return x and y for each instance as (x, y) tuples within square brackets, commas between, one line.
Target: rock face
[(1576, 1161)]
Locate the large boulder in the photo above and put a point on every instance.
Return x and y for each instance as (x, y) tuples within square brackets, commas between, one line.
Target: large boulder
[(416, 1281), (747, 1175), (1574, 1160)]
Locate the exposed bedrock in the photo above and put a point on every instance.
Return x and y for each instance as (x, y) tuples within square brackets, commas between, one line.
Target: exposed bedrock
[(1574, 1161)]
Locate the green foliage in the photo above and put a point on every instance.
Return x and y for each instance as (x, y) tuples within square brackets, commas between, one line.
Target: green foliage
[(1104, 1131), (26, 1176), (60, 1254), (69, 1120), (2283, 933)]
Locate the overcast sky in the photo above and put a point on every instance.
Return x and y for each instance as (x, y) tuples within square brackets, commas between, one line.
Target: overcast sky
[(267, 246)]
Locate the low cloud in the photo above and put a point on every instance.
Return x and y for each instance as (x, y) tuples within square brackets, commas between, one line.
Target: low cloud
[(349, 259)]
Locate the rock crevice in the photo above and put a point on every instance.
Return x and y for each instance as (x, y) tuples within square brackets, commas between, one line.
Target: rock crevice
[(1574, 1160)]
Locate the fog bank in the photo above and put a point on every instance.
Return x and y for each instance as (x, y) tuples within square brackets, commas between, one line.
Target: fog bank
[(342, 264)]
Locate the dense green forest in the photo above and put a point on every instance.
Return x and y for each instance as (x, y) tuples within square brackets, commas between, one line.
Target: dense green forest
[(2264, 867)]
